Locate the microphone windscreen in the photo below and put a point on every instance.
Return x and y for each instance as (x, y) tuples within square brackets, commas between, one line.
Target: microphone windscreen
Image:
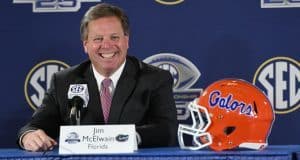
[(80, 89)]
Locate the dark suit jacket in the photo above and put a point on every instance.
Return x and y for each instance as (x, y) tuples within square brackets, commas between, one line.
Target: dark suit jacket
[(143, 96)]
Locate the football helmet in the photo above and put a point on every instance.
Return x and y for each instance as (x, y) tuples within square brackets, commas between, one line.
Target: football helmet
[(230, 113)]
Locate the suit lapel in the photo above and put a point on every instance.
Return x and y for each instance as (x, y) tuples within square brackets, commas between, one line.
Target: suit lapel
[(94, 106), (123, 91)]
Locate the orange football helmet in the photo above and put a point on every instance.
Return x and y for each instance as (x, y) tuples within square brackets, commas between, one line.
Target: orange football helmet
[(230, 113)]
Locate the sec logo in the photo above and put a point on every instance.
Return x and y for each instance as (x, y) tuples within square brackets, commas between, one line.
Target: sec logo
[(77, 88), (279, 78), (38, 81), (185, 74)]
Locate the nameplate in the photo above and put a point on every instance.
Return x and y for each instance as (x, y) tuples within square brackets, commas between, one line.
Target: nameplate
[(97, 139)]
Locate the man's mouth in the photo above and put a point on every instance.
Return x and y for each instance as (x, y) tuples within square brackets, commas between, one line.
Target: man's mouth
[(107, 55)]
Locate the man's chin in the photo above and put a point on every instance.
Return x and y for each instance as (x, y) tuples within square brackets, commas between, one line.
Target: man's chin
[(109, 70)]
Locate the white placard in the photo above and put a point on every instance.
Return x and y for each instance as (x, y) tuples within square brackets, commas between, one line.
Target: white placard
[(97, 139)]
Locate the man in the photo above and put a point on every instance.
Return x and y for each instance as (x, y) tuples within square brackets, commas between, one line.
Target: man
[(141, 94)]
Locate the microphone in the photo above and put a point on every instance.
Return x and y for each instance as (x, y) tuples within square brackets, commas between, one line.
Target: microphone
[(78, 97)]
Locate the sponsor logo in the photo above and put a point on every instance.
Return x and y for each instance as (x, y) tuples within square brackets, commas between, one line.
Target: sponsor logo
[(55, 5), (122, 138), (279, 3), (185, 75), (72, 138), (279, 78), (38, 81), (169, 2)]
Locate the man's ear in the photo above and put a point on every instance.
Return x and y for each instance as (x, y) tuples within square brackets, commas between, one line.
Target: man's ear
[(84, 44), (127, 39)]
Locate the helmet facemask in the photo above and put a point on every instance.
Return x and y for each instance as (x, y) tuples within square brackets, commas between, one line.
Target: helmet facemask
[(201, 121)]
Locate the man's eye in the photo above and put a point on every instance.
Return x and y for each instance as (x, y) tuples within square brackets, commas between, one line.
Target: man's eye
[(98, 39), (115, 38)]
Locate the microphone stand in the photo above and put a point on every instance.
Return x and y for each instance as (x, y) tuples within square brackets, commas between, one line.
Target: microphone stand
[(78, 117), (74, 116), (75, 110)]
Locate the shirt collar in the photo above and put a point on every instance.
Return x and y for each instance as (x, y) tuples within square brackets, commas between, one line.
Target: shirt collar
[(114, 77)]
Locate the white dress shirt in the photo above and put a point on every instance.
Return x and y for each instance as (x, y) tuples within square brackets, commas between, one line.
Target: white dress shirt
[(114, 77)]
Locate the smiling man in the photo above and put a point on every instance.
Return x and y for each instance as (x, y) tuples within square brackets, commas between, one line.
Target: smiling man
[(122, 89), (106, 44)]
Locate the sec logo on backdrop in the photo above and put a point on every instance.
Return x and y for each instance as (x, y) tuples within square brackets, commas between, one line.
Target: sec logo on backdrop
[(38, 81), (279, 78), (185, 75)]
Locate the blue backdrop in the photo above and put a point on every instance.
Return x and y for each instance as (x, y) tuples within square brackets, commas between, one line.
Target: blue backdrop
[(204, 41)]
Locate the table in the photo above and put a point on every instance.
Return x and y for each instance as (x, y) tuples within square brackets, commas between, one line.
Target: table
[(272, 152)]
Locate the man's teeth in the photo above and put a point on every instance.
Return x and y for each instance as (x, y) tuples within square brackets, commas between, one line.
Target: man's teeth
[(110, 55)]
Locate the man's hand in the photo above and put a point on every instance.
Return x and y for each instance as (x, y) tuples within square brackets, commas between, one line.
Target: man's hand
[(38, 141)]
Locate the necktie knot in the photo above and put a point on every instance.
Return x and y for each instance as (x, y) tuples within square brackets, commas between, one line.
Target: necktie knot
[(106, 82)]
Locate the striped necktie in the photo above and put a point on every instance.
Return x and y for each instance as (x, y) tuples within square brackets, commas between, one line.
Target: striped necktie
[(105, 98)]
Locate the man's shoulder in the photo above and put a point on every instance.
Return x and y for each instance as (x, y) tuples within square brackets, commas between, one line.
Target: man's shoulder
[(78, 70), (147, 71), (150, 69)]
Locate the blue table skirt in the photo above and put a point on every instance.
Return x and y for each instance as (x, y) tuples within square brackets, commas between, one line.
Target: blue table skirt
[(275, 152)]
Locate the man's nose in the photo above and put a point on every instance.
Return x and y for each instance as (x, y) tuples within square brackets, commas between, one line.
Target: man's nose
[(106, 43)]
